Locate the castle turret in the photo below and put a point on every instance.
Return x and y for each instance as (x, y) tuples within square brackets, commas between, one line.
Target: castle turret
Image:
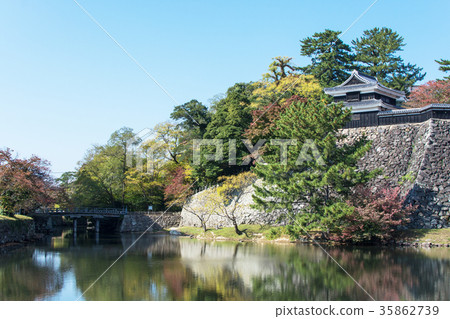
[(363, 93)]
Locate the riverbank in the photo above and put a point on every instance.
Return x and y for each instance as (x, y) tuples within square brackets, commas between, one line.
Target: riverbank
[(424, 237), (412, 237), (17, 229), (251, 233)]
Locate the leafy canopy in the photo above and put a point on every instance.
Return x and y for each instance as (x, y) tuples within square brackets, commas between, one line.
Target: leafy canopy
[(331, 58), (376, 54), (429, 93), (228, 122), (281, 67), (193, 116), (25, 184), (313, 177)]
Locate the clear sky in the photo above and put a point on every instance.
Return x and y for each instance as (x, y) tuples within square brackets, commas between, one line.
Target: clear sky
[(65, 85)]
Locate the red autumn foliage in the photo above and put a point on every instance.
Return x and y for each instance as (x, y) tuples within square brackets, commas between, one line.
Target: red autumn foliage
[(376, 216), (429, 93), (264, 119), (25, 184), (177, 191)]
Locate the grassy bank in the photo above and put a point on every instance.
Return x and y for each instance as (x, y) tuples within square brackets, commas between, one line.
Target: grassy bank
[(16, 218), (251, 233), (17, 222), (258, 232), (423, 236)]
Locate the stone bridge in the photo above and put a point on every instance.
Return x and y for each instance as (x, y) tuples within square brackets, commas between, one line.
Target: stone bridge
[(75, 214)]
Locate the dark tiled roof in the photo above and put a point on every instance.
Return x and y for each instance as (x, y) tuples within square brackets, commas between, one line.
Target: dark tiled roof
[(353, 87), (370, 103), (370, 83), (416, 110), (368, 77)]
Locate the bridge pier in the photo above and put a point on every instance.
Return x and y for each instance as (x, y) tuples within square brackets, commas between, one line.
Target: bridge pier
[(75, 226), (49, 223), (97, 225)]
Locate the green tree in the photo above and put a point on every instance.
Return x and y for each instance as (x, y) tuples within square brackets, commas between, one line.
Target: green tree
[(269, 93), (280, 68), (230, 119), (444, 66), (193, 116), (278, 88), (377, 55), (118, 148), (331, 58), (169, 140), (101, 178), (312, 178), (144, 189)]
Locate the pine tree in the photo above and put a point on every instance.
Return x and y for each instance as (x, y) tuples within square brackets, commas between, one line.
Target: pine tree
[(318, 171), (444, 66), (331, 59), (377, 55)]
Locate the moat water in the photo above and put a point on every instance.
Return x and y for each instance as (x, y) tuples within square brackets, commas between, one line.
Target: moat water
[(162, 267)]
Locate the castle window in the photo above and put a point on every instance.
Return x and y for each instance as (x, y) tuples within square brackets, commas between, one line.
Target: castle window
[(352, 96), (367, 96)]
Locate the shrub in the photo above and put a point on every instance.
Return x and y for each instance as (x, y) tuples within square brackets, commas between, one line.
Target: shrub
[(274, 233), (376, 216)]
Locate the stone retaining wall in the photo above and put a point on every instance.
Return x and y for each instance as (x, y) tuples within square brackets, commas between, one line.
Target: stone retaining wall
[(414, 156), (16, 231), (245, 215), (141, 221)]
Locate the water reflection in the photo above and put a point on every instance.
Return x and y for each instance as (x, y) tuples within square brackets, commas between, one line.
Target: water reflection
[(172, 268), (29, 275)]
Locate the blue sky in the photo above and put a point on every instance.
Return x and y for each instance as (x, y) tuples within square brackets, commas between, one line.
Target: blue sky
[(64, 85)]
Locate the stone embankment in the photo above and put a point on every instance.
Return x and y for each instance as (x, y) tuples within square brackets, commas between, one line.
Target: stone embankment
[(16, 230), (245, 213), (142, 221), (414, 156)]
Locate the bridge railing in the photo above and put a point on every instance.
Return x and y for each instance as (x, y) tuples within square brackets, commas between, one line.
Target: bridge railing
[(86, 210)]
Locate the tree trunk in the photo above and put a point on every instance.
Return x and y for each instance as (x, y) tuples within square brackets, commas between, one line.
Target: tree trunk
[(236, 228), (204, 226)]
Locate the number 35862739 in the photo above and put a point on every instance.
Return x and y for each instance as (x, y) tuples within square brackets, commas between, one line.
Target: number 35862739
[(409, 310)]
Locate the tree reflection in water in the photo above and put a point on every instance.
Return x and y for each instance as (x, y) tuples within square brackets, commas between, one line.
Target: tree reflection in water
[(29, 275), (172, 268)]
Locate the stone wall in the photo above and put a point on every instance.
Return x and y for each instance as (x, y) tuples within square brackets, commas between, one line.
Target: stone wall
[(141, 221), (245, 214), (414, 156), (16, 231)]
